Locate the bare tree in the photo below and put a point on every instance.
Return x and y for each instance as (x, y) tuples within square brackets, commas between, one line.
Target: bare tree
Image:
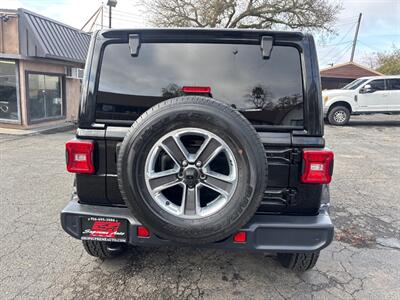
[(266, 14), (171, 90), (260, 97), (386, 62)]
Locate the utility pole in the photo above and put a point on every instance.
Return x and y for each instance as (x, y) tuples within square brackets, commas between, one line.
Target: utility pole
[(109, 16), (110, 3), (102, 14), (353, 49)]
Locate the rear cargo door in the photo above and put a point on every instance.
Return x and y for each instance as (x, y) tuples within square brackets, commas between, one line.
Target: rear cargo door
[(267, 89)]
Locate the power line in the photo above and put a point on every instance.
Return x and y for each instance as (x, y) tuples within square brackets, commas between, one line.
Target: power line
[(131, 16), (344, 52), (122, 19), (130, 20), (336, 44), (327, 55), (95, 15), (344, 24), (123, 12), (336, 52), (394, 34), (350, 17), (372, 48)]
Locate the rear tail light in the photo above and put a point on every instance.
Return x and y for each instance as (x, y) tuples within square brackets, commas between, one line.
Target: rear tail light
[(317, 166), (80, 156), (143, 232), (196, 89), (240, 237)]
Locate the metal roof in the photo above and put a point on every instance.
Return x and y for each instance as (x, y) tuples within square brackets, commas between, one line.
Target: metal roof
[(46, 38)]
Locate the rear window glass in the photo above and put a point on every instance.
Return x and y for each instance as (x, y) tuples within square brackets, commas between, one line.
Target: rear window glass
[(266, 91)]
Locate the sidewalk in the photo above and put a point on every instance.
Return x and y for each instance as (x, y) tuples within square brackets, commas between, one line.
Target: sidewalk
[(45, 129)]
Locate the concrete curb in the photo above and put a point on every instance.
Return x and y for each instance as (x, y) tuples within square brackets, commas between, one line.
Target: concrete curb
[(39, 130)]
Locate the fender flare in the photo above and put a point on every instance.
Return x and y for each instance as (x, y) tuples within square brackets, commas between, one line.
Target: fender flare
[(331, 103)]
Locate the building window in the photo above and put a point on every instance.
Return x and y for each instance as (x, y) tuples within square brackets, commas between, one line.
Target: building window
[(45, 96), (8, 91)]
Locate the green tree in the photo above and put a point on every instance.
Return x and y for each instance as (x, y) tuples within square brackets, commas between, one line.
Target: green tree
[(265, 14), (389, 62)]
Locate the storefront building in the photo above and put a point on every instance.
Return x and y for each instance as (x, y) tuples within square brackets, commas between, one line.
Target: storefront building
[(41, 66)]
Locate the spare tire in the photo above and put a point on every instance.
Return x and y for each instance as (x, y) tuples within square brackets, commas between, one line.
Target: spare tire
[(192, 170)]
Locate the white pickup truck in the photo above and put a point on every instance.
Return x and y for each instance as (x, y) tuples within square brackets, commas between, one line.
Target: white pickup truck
[(366, 95)]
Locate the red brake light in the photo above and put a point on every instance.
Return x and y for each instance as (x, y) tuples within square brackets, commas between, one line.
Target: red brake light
[(240, 237), (196, 89), (317, 166), (80, 156), (143, 232)]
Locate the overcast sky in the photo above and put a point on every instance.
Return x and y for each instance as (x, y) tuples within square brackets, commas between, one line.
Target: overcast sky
[(380, 26)]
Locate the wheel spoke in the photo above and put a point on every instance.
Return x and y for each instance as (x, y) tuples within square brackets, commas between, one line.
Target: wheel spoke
[(190, 201), (175, 149), (210, 149), (162, 180), (220, 183), (339, 116)]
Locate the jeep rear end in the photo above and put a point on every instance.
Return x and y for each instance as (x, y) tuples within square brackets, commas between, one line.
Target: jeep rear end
[(269, 78)]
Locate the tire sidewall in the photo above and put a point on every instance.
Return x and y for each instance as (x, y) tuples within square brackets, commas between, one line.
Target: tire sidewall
[(334, 110), (238, 210)]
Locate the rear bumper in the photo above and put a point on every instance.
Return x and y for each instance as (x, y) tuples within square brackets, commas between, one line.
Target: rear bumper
[(272, 233)]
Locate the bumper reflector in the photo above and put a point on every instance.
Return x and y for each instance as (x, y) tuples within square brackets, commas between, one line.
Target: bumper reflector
[(143, 232), (240, 237)]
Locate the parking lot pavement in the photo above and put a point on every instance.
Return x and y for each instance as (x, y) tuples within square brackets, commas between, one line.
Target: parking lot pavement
[(38, 260)]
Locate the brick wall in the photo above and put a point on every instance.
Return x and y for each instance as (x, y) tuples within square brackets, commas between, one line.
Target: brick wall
[(9, 34)]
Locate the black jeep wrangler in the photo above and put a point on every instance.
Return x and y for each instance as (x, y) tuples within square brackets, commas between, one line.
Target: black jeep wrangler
[(209, 138)]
